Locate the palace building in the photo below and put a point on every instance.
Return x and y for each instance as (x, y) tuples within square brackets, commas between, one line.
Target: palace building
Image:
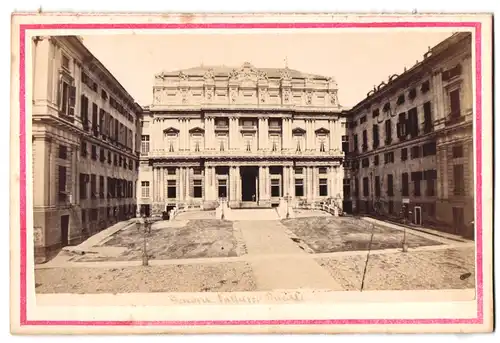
[(85, 148), (409, 143), (246, 134)]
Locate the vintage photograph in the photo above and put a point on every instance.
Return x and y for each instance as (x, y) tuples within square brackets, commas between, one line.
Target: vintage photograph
[(224, 164)]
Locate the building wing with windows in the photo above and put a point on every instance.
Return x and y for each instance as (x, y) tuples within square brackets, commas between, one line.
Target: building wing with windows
[(410, 146), (85, 147), (251, 135)]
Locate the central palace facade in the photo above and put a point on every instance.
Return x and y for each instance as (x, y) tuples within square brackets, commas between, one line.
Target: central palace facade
[(248, 135)]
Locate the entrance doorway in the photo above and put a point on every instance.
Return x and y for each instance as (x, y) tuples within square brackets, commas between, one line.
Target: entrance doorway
[(418, 215), (64, 230), (249, 179), (458, 220), (145, 210)]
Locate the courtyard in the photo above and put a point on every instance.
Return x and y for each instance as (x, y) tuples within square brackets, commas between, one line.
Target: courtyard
[(211, 255)]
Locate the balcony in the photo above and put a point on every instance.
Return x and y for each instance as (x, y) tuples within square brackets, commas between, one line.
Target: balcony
[(164, 153), (454, 118)]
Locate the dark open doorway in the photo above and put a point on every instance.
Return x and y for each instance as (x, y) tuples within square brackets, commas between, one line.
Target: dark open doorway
[(64, 230), (249, 177)]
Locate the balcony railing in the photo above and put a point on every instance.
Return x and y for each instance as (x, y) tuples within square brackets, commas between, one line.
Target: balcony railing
[(243, 153)]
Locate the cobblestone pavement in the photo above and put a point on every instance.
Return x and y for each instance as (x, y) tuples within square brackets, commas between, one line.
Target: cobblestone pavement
[(414, 270), (221, 277), (332, 234)]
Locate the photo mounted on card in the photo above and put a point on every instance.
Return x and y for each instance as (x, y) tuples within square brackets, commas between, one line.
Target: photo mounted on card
[(251, 173)]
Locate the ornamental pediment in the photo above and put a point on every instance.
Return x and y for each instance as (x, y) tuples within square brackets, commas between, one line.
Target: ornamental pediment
[(196, 130), (170, 130), (298, 130), (322, 130)]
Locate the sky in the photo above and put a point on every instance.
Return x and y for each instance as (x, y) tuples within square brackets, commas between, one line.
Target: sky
[(357, 60)]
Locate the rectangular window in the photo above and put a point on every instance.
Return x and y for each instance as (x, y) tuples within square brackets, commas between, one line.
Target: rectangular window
[(415, 151), (347, 188), (388, 132), (376, 160), (170, 171), (197, 189), (171, 189), (413, 122), (83, 149), (430, 177), (355, 143), (65, 62), (299, 187), (144, 144), (458, 180), (455, 103), (196, 171), (429, 149), (323, 187), (362, 120), (390, 185), (94, 152), (402, 126), (83, 186), (84, 112), (298, 170), (101, 187), (404, 154), (222, 188), (110, 160), (102, 155), (63, 152), (145, 189), (275, 188), (93, 186), (406, 189), (377, 186), (376, 138), (95, 126), (458, 151), (365, 162), (428, 124), (322, 170), (356, 187), (366, 190), (416, 177), (365, 140), (389, 157), (345, 144)]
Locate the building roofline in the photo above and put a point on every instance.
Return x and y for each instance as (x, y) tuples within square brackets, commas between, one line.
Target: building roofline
[(395, 80), (91, 58)]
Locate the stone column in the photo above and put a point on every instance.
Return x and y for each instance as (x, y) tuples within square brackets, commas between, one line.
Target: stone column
[(332, 144), (181, 184), (187, 184), (340, 181), (153, 184), (291, 181), (214, 184), (162, 185), (238, 183), (331, 181), (186, 134), (265, 133), (206, 184), (314, 172)]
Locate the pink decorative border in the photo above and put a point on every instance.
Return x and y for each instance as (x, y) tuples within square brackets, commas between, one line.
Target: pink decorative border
[(476, 26)]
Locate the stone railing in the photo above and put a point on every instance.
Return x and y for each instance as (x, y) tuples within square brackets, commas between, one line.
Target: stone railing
[(183, 207), (242, 153), (331, 206)]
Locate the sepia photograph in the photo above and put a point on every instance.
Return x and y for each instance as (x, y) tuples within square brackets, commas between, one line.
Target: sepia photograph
[(199, 168)]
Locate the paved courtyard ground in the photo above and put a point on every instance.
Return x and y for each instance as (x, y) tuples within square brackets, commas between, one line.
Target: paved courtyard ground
[(193, 239), (332, 234), (319, 252)]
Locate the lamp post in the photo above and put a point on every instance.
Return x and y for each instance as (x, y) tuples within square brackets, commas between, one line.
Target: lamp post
[(145, 258), (287, 198), (405, 221)]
